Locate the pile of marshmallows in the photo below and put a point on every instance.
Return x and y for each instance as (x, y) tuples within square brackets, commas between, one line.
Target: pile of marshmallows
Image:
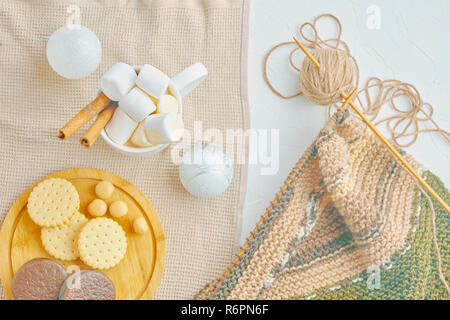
[(147, 115)]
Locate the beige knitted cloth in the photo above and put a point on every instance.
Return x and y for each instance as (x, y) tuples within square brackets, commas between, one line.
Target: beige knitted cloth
[(35, 102), (348, 223)]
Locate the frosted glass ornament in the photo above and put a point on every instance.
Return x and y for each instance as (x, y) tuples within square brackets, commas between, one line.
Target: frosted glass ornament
[(206, 171), (74, 51)]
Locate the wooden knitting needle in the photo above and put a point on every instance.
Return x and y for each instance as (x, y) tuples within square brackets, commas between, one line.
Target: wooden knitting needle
[(348, 100), (308, 54)]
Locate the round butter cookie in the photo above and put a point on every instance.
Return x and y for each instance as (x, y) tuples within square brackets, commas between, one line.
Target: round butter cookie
[(53, 202), (61, 242), (102, 243)]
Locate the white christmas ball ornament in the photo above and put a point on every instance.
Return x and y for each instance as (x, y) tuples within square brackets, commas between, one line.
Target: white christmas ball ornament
[(206, 171), (74, 51)]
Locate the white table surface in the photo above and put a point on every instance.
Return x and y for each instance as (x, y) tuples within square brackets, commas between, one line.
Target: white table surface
[(412, 45)]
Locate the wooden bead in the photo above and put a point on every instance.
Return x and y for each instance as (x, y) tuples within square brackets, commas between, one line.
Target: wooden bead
[(118, 209), (97, 208), (140, 225), (104, 190)]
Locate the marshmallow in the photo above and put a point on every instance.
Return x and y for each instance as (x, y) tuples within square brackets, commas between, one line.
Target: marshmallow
[(137, 104), (153, 81), (120, 127), (168, 104), (164, 128), (139, 138), (118, 81)]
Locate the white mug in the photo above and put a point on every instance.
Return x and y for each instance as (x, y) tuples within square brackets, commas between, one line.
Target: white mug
[(181, 85)]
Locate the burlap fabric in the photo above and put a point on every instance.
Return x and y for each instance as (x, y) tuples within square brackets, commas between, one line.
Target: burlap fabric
[(35, 102)]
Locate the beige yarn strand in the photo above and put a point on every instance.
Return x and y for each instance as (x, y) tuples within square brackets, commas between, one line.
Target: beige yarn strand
[(266, 77), (407, 117), (435, 241)]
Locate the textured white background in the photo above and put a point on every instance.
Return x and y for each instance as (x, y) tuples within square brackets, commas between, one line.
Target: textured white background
[(411, 45)]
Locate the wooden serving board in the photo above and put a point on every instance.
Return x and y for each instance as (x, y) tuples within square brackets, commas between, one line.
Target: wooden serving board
[(138, 274)]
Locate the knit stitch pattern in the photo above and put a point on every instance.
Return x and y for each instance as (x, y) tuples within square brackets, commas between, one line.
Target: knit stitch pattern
[(349, 223)]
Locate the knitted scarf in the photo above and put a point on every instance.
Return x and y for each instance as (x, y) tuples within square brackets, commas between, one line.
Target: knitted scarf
[(349, 223)]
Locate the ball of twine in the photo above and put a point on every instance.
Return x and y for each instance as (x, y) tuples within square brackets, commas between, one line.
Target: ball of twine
[(324, 85)]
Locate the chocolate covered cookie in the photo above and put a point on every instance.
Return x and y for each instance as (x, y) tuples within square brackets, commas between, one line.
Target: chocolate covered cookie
[(88, 285), (38, 279)]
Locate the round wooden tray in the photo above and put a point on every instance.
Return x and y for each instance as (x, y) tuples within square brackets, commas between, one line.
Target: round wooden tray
[(138, 274)]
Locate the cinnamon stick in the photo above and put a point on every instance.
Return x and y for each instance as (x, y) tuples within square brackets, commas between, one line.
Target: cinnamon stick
[(84, 116), (91, 135)]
